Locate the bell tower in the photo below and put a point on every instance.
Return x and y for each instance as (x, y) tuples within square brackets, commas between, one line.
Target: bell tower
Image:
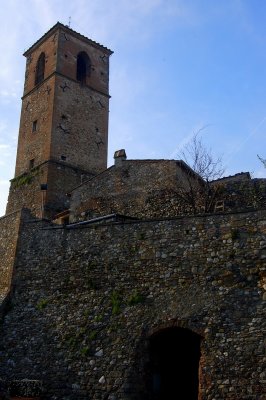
[(63, 133)]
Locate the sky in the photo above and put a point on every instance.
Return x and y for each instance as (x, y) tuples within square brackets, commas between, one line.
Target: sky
[(179, 67)]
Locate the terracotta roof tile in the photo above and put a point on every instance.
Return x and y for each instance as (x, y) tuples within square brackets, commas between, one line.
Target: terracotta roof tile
[(71, 31)]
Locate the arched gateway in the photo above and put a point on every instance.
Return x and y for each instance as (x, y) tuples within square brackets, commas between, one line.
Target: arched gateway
[(174, 355)]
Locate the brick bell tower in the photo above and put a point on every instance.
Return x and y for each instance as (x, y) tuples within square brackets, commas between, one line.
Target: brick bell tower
[(63, 131)]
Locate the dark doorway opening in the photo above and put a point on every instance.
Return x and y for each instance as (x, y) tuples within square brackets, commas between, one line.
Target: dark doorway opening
[(174, 364)]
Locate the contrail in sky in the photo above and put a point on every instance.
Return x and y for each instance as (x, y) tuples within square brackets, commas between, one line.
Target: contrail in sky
[(237, 148), (186, 140)]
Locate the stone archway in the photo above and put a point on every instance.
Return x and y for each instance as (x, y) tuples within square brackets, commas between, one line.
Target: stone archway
[(174, 355)]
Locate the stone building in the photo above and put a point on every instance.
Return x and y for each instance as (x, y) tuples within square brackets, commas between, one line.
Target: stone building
[(137, 281), (65, 103)]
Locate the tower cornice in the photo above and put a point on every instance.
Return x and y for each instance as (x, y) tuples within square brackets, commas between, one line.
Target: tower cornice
[(66, 29)]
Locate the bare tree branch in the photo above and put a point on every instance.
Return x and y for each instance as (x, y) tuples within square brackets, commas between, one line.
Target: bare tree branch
[(198, 193), (201, 159), (262, 160)]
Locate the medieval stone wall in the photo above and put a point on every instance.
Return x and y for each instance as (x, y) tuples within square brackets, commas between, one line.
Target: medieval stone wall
[(80, 125), (34, 144), (25, 190), (71, 43), (9, 230), (242, 195), (160, 188), (87, 299), (48, 46), (138, 188)]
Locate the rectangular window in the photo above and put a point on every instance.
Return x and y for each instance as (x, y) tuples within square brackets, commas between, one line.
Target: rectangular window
[(34, 126), (31, 164)]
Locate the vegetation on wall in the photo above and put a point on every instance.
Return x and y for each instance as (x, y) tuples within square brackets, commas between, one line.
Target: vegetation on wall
[(26, 178)]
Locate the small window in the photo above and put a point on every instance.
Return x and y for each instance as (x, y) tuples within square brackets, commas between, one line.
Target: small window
[(43, 187), (39, 74), (83, 67), (34, 126), (63, 158), (31, 164)]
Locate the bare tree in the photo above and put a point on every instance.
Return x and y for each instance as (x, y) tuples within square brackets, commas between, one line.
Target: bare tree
[(262, 160), (201, 159), (198, 193)]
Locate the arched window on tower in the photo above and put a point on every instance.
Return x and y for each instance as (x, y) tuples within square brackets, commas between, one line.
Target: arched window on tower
[(39, 75), (83, 66)]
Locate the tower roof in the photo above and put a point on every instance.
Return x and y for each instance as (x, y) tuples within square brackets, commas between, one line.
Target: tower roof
[(70, 31)]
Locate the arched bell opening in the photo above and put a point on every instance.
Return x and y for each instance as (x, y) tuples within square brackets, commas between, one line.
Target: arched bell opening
[(83, 67), (40, 68)]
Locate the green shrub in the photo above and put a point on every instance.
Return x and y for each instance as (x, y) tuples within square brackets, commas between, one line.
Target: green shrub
[(116, 302), (42, 304), (92, 335), (135, 298), (26, 178), (85, 351)]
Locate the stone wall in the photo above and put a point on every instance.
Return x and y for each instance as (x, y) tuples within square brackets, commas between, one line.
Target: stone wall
[(62, 177), (161, 188), (80, 125), (239, 195), (87, 299), (138, 188), (9, 230), (35, 144), (25, 190)]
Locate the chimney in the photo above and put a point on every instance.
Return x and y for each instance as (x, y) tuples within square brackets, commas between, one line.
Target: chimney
[(120, 156)]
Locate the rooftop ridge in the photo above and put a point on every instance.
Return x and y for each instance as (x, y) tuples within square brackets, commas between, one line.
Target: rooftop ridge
[(238, 174), (66, 28)]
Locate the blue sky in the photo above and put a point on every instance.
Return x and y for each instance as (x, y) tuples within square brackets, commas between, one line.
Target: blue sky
[(178, 66)]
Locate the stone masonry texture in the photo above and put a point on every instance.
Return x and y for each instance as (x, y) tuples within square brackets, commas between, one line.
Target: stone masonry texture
[(155, 189), (9, 232), (73, 327), (25, 190), (63, 120)]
